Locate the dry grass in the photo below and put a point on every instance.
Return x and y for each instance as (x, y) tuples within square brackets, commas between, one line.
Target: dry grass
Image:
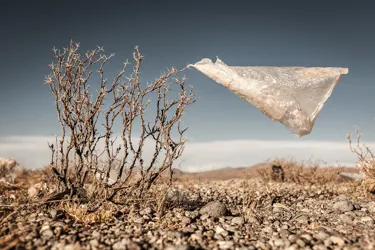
[(161, 198), (306, 173), (81, 213), (365, 161), (295, 172)]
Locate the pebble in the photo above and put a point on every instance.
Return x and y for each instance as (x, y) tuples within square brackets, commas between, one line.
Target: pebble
[(196, 237), (238, 221), (343, 206), (345, 218), (321, 235), (140, 220), (279, 243), (299, 219), (47, 234), (214, 209), (337, 240), (225, 244), (95, 234), (220, 230), (368, 220)]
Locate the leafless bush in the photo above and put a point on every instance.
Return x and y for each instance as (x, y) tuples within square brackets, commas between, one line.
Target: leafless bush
[(365, 160), (77, 155), (365, 157)]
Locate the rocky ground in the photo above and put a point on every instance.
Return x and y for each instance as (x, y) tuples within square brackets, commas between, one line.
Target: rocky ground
[(225, 214)]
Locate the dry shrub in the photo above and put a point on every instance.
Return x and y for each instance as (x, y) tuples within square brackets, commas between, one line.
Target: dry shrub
[(365, 161), (81, 213), (300, 172), (88, 118)]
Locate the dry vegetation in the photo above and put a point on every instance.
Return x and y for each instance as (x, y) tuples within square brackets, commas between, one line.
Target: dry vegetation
[(365, 161), (34, 220), (90, 197), (119, 167)]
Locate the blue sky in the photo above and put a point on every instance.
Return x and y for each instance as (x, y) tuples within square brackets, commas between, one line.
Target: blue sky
[(178, 33)]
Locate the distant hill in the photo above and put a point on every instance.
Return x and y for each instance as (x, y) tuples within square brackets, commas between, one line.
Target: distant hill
[(243, 172)]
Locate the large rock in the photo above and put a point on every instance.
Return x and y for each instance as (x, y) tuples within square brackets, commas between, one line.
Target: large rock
[(214, 209), (352, 176)]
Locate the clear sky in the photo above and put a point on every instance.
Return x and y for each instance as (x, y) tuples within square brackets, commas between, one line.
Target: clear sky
[(223, 129)]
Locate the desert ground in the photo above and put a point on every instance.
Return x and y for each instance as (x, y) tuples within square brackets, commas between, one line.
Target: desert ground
[(231, 208)]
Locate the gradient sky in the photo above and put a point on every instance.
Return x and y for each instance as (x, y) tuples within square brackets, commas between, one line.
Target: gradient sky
[(176, 33)]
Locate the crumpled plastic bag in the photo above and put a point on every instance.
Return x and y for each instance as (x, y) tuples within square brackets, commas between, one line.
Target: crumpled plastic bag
[(293, 96)]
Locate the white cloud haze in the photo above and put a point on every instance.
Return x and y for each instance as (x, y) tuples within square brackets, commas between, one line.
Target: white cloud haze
[(33, 152)]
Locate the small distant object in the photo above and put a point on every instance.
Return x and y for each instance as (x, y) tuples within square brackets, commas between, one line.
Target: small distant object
[(7, 169), (353, 176), (277, 173)]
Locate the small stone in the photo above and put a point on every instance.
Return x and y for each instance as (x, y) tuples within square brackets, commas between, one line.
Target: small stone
[(303, 218), (341, 197), (292, 247), (119, 245), (220, 230), (174, 234), (95, 234), (71, 247), (367, 220), (35, 190), (321, 235), (345, 218), (225, 244), (53, 213), (278, 243), (204, 217), (280, 206), (253, 220), (343, 206), (47, 234), (307, 237), (44, 228), (214, 209), (328, 242), (267, 230), (238, 221), (371, 206), (337, 240), (58, 231), (94, 242), (188, 230), (196, 237), (58, 246), (230, 229), (178, 247), (300, 243), (284, 232), (139, 220), (185, 220)]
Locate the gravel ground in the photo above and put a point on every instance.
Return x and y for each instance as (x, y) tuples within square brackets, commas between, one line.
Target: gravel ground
[(231, 214)]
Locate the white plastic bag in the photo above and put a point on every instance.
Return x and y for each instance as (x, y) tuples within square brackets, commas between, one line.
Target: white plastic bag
[(293, 96)]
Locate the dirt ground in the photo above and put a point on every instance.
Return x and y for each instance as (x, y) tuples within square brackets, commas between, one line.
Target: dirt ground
[(225, 209)]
